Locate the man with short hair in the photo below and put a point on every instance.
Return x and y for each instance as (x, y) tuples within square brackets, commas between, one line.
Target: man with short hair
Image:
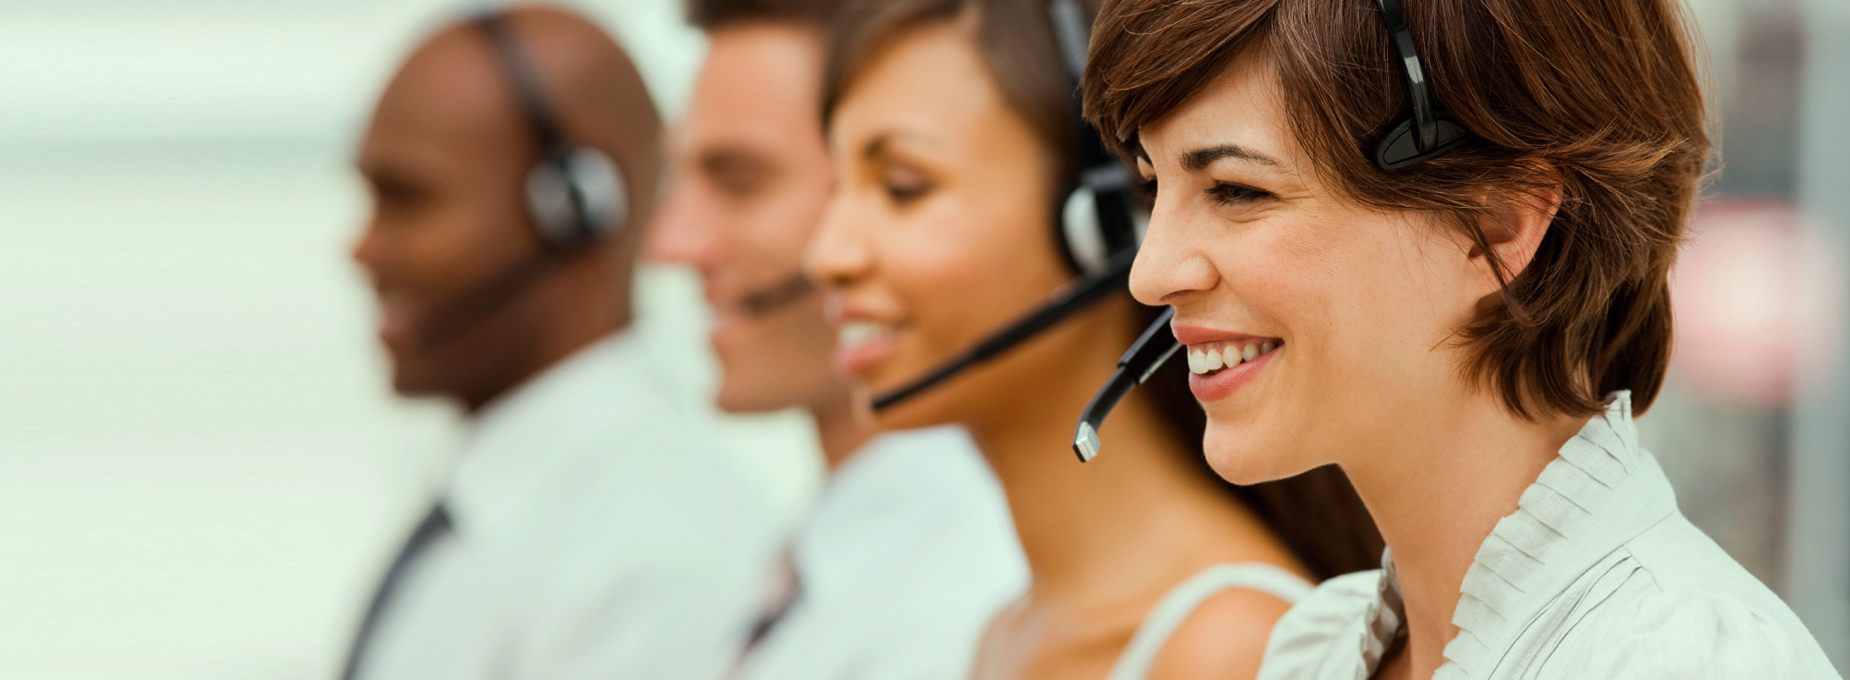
[(910, 550), (589, 530)]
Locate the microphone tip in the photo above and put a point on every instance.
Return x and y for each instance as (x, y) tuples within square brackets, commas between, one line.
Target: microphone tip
[(1086, 443)]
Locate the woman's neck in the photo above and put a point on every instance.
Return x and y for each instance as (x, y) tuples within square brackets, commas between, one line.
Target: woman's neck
[(1436, 490), (840, 432), (1129, 524)]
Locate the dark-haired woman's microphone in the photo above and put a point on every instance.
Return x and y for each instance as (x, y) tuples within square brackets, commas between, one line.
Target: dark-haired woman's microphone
[(1150, 352)]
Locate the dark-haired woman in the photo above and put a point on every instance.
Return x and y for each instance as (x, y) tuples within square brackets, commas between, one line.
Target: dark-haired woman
[(951, 127), (1467, 333)]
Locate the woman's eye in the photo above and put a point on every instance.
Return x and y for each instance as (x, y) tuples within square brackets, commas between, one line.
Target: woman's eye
[(904, 185), (1233, 194)]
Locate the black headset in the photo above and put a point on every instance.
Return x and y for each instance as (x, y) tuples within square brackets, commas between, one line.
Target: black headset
[(1099, 217), (1429, 131), (1426, 134), (574, 193), (1096, 224)]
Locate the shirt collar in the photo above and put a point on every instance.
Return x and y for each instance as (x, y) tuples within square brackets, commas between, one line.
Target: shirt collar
[(521, 441), (888, 497), (1601, 491)]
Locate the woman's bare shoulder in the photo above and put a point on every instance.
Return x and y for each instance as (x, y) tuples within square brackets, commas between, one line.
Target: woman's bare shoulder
[(1223, 639)]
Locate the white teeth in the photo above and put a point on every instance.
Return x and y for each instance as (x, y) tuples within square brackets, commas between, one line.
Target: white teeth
[(1227, 356), (858, 332)]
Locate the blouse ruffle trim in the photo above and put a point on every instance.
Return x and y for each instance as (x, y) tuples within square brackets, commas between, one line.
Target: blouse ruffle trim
[(1587, 502)]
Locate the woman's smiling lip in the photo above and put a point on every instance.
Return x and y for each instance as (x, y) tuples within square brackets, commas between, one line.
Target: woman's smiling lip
[(1220, 384), (864, 339), (1201, 335), (861, 345)]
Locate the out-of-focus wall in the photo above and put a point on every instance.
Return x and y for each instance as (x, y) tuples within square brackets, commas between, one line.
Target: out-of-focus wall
[(202, 470)]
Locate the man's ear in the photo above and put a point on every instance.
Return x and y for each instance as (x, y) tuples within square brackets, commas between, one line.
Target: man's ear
[(1512, 231)]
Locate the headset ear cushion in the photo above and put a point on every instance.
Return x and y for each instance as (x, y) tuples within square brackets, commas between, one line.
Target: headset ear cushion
[(601, 188), (1399, 149), (1081, 233), (549, 201), (576, 195)]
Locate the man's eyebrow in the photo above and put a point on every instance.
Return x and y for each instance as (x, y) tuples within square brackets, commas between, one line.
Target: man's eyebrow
[(389, 175), (729, 157), (1200, 159)]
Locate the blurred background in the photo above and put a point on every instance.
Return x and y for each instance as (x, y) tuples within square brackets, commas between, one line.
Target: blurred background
[(202, 469)]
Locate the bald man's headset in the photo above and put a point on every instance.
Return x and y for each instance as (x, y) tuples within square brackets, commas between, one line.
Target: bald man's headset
[(574, 194), (1426, 134), (1095, 227)]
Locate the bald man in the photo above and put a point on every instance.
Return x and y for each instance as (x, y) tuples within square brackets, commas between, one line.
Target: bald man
[(589, 530)]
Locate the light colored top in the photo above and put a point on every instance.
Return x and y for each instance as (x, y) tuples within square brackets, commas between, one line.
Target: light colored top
[(1182, 601), (597, 534), (907, 554), (1595, 575)]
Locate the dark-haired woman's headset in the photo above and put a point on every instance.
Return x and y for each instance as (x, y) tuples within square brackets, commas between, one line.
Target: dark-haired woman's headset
[(1425, 134), (574, 194), (1095, 227)]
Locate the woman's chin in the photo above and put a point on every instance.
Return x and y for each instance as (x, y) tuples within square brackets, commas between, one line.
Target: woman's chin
[(1241, 458)]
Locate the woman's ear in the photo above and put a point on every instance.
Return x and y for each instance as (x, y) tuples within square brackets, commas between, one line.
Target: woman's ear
[(1512, 231)]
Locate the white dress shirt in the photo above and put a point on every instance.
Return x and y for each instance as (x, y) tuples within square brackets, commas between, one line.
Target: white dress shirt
[(1596, 575), (597, 533), (906, 556)]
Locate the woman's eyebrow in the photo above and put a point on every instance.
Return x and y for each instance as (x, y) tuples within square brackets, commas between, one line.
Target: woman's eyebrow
[(1200, 159), (882, 144)]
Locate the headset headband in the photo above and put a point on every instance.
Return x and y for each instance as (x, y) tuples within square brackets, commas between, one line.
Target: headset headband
[(524, 77), (1429, 132)]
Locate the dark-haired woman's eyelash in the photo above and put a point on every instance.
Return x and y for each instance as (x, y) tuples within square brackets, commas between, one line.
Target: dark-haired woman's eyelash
[(904, 194), (905, 187), (1227, 193)]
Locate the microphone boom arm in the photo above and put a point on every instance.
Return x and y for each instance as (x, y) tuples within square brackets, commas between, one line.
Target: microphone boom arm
[(1150, 352), (1115, 277)]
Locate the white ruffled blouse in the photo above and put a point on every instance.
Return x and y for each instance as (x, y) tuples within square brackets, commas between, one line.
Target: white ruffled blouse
[(1595, 575)]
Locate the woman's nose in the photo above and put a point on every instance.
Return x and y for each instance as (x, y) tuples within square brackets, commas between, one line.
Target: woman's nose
[(837, 251), (1169, 264)]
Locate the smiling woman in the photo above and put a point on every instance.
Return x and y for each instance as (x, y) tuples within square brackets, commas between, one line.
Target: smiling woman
[(951, 129), (1465, 322)]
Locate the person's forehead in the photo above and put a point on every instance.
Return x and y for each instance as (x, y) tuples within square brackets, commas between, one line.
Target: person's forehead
[(932, 85), (448, 96), (758, 86), (1239, 106)]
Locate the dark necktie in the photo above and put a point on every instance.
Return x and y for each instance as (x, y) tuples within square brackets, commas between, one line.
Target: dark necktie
[(435, 524), (782, 590)]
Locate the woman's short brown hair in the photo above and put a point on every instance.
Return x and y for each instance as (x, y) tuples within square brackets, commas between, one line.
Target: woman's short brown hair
[(1596, 98)]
